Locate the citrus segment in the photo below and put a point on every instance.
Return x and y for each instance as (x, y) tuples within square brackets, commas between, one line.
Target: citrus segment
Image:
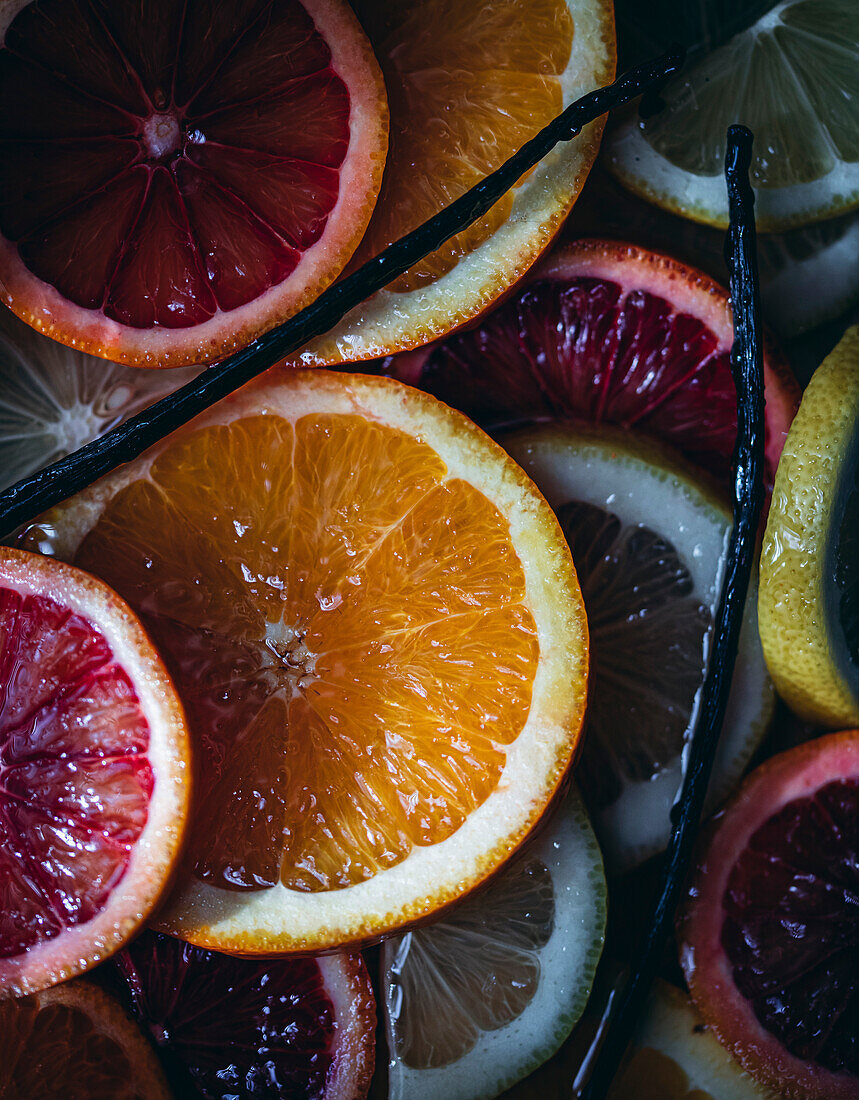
[(482, 997), (791, 78), (768, 935), (93, 759), (608, 333), (648, 539), (468, 86), (809, 601), (370, 615), (74, 1041), (297, 1027), (178, 179)]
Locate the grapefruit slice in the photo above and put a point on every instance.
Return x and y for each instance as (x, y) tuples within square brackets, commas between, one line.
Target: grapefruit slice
[(768, 937), (375, 626), (94, 765), (176, 179), (239, 1027), (74, 1041), (481, 998), (609, 333), (675, 1056), (809, 601), (468, 84), (54, 399), (648, 540)]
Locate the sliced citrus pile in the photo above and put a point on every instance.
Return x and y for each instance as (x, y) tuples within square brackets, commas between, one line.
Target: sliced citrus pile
[(178, 178), (376, 630), (647, 538), (478, 1000), (674, 1056), (809, 601), (54, 399), (93, 758), (238, 1027), (770, 934), (468, 84), (793, 78), (609, 333), (76, 1042)]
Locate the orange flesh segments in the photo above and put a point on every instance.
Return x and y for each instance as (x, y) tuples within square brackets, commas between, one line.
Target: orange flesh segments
[(93, 789), (330, 607), (200, 168)]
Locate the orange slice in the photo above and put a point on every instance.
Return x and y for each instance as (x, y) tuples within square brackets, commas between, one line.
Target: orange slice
[(176, 179), (75, 1041), (376, 628), (468, 84), (93, 773)]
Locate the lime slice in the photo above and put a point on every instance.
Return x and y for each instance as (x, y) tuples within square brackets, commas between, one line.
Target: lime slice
[(476, 1001), (793, 78), (809, 599), (54, 399), (674, 1056), (648, 540)]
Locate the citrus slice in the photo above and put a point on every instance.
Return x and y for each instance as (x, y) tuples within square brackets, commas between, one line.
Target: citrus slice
[(374, 623), (768, 937), (176, 179), (609, 333), (476, 1001), (791, 78), (54, 399), (280, 1027), (675, 1056), (468, 84), (648, 540), (809, 601), (74, 1041), (94, 763)]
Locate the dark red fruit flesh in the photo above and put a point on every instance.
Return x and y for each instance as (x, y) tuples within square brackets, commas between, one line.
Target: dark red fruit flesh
[(583, 348), (160, 161), (75, 783), (237, 1027), (791, 930)]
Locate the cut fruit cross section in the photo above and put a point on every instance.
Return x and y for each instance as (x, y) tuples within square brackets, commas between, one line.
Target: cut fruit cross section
[(178, 178), (376, 629)]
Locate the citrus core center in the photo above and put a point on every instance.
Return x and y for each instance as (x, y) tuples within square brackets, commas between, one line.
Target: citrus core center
[(161, 135)]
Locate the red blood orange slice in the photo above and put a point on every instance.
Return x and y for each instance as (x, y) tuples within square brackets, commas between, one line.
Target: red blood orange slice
[(608, 333), (178, 178), (93, 772), (769, 937), (230, 1026)]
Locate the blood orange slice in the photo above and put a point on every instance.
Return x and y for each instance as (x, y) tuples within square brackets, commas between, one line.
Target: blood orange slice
[(238, 1027), (770, 934), (608, 333), (75, 1041), (178, 178), (93, 772)]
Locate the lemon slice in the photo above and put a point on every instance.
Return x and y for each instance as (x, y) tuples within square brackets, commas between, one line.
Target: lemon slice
[(648, 540), (793, 78), (674, 1056), (809, 601), (54, 399), (478, 1000)]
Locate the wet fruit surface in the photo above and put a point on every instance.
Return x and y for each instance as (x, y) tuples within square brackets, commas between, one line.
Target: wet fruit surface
[(246, 1028), (330, 605), (75, 781), (791, 930)]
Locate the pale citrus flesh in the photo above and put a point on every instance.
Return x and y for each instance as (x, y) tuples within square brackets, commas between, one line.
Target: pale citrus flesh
[(75, 1041), (178, 178), (93, 759), (468, 85), (353, 627)]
